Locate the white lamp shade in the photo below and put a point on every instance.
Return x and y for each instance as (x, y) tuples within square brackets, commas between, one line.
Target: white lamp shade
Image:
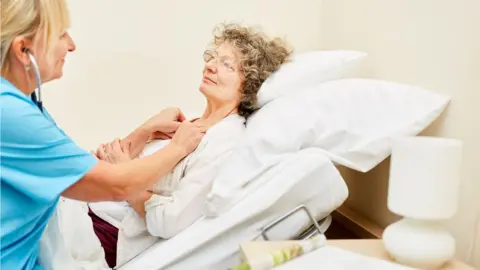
[(425, 177)]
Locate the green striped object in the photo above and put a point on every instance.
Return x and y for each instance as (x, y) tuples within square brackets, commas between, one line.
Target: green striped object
[(284, 255)]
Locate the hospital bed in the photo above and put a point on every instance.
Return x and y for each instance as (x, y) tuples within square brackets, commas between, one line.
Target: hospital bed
[(344, 127), (305, 178)]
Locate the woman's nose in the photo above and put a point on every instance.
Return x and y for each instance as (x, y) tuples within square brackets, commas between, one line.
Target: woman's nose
[(71, 43), (212, 66)]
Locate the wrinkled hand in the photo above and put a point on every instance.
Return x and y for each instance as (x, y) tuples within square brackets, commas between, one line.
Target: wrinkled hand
[(114, 152), (164, 124), (187, 137)]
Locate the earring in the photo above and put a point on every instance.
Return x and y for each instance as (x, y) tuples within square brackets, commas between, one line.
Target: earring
[(28, 67)]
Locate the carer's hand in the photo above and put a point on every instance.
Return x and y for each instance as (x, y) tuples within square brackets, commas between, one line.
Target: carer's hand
[(113, 152), (187, 137), (164, 124)]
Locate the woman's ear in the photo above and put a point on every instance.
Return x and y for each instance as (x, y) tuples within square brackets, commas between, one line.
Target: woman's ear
[(19, 48)]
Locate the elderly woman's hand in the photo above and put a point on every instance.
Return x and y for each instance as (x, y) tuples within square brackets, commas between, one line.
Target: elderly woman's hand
[(164, 124), (137, 202), (114, 152)]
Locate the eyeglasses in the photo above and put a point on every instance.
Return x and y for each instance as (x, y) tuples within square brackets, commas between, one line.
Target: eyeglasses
[(226, 63)]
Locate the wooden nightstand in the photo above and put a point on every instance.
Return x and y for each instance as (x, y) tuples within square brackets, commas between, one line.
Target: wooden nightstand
[(371, 247)]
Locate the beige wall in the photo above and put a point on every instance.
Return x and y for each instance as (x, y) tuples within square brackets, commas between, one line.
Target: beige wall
[(149, 52), (434, 44)]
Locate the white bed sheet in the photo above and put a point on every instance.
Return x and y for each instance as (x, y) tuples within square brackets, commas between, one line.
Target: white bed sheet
[(307, 177)]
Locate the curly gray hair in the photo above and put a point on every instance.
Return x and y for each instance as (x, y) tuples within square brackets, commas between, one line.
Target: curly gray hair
[(260, 57)]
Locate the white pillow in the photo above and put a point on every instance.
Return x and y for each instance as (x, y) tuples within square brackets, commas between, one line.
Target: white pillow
[(308, 69), (351, 120)]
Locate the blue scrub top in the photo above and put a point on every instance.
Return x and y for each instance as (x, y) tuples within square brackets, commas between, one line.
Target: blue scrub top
[(38, 162)]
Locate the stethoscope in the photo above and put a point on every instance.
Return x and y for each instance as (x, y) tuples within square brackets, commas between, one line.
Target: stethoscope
[(36, 99)]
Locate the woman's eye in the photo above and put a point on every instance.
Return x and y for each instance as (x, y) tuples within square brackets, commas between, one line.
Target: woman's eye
[(228, 65)]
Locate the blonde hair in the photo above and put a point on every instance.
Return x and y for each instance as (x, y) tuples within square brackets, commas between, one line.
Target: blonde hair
[(260, 57), (31, 19)]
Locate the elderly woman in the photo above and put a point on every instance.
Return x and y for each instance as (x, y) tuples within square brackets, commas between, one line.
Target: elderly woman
[(235, 67)]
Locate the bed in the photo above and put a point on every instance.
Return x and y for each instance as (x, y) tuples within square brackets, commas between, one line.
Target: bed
[(307, 178), (300, 137), (295, 141), (344, 127)]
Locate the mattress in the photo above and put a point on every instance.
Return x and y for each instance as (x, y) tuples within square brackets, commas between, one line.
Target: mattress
[(307, 177)]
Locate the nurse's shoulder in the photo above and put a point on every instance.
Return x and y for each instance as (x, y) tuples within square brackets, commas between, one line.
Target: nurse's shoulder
[(8, 92), (12, 99), (20, 117)]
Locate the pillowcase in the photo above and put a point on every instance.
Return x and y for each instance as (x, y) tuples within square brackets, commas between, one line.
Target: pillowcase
[(351, 120), (308, 69)]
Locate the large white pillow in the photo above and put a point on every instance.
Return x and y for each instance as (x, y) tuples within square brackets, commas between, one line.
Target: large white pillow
[(352, 120), (307, 69)]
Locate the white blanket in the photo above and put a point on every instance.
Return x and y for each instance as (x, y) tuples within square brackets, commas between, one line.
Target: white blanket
[(69, 242), (306, 177)]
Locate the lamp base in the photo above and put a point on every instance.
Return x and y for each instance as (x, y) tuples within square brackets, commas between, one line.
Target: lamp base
[(419, 243)]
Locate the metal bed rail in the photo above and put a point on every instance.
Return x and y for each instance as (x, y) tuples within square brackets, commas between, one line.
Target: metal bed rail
[(317, 227)]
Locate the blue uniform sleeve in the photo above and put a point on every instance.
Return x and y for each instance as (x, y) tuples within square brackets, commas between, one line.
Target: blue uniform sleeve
[(38, 159)]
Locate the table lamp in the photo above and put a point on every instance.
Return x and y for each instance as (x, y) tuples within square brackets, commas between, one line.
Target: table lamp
[(423, 188)]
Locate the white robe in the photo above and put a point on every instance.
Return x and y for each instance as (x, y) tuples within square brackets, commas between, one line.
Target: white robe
[(178, 197)]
